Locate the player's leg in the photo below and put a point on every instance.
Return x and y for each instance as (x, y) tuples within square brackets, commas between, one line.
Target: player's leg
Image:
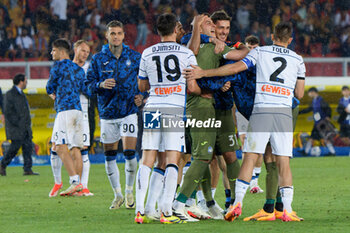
[(215, 175), (151, 143), (77, 160), (227, 144), (285, 174), (255, 144), (170, 181), (267, 213), (85, 156), (155, 184), (143, 174), (110, 136), (254, 186), (225, 180), (65, 134), (63, 153), (128, 132), (56, 166)]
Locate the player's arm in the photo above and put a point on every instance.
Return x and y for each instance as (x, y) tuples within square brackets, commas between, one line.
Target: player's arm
[(239, 53), (192, 87), (299, 88), (51, 85), (229, 69), (143, 84), (195, 40)]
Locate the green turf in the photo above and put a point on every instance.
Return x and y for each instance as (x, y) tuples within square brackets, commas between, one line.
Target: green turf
[(321, 196)]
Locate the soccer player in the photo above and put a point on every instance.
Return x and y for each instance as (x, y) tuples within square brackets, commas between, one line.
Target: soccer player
[(112, 75), (64, 86), (201, 108), (161, 73), (81, 53), (251, 42), (280, 74), (344, 115), (321, 111)]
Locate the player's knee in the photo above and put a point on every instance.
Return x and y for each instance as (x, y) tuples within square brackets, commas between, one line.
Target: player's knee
[(84, 152), (129, 154), (111, 155)]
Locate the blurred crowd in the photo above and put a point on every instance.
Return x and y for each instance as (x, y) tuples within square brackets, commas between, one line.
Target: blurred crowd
[(27, 27)]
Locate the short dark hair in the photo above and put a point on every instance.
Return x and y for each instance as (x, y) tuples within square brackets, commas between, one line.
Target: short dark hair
[(166, 24), (115, 23), (252, 40), (62, 44), (283, 31), (18, 78), (312, 89), (220, 15), (345, 88)]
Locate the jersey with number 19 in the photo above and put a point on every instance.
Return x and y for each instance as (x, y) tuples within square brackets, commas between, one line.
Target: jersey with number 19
[(162, 65), (277, 71)]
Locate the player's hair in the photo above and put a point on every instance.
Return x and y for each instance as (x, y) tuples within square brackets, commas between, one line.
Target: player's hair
[(166, 24), (18, 78), (220, 15), (115, 23), (62, 44), (345, 88), (80, 42), (252, 40), (283, 31), (312, 89)]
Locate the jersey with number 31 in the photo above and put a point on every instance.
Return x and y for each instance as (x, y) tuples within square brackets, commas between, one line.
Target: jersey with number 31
[(277, 70), (162, 64)]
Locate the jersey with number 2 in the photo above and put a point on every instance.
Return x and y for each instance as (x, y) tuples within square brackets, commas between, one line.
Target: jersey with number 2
[(277, 70), (162, 64)]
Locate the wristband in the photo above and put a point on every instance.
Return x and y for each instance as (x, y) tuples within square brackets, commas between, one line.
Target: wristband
[(237, 45)]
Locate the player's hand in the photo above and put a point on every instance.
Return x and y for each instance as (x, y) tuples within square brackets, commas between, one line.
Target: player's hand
[(138, 100), (2, 118), (219, 45), (226, 86), (199, 19), (53, 96), (108, 83), (195, 73)]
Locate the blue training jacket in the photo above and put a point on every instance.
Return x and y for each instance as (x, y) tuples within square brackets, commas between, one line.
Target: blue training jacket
[(119, 101)]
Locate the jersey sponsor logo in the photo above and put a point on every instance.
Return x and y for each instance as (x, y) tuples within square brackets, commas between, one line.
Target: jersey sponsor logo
[(275, 89), (128, 62), (167, 90)]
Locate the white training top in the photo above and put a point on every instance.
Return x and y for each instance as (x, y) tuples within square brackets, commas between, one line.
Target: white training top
[(162, 64), (84, 101), (277, 70)]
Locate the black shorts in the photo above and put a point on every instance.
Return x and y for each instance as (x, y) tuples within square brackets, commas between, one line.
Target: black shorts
[(345, 131), (315, 134)]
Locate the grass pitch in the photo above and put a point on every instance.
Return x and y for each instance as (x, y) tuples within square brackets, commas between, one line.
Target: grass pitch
[(321, 196)]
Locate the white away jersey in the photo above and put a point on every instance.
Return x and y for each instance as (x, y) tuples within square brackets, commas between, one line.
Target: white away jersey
[(162, 64), (277, 70)]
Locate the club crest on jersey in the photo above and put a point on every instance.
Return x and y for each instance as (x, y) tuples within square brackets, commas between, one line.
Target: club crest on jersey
[(128, 62), (151, 120)]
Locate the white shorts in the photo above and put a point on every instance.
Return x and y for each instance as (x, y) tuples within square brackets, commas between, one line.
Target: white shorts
[(113, 130), (163, 139), (274, 128), (68, 129), (84, 102), (242, 123)]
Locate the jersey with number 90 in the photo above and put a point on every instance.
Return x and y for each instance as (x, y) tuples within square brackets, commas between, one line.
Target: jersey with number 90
[(277, 70), (162, 64)]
